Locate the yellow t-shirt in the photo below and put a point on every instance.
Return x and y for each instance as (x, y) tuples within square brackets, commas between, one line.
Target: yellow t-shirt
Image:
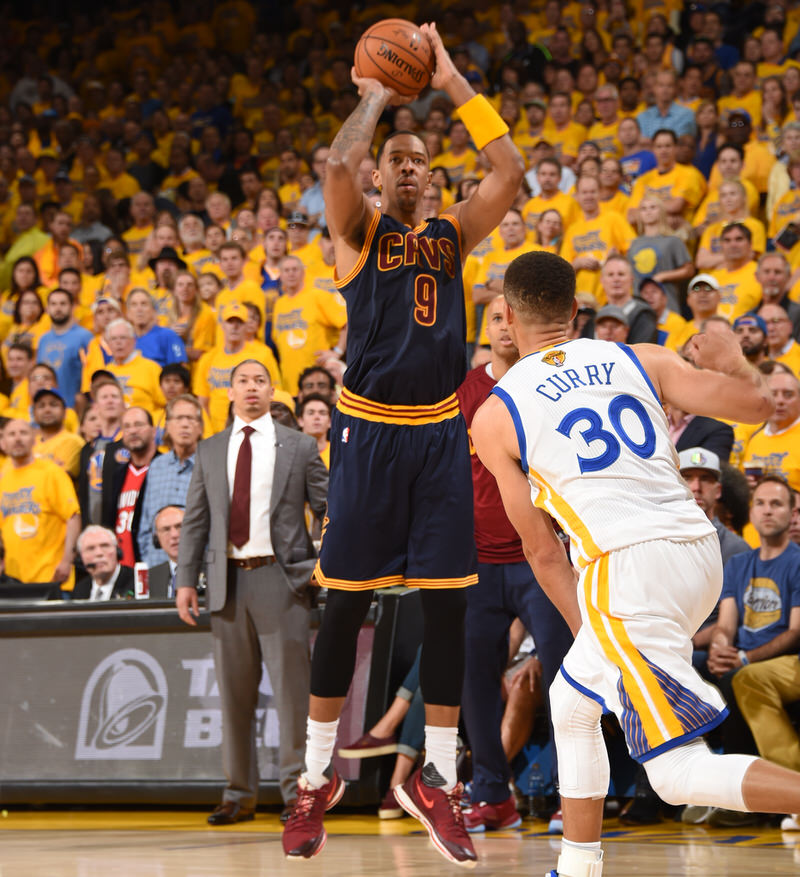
[(469, 273), (671, 329), (566, 141), (739, 291), (300, 328), (786, 209), (712, 235), (750, 102), (775, 454), (565, 204), (495, 263), (212, 377), (36, 501), (457, 166), (618, 203), (791, 357), (64, 449), (123, 186), (742, 433), (680, 182), (605, 136), (595, 238), (92, 361), (135, 239), (139, 381)]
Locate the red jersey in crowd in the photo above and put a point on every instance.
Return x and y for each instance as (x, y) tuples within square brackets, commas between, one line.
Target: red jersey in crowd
[(495, 537), (131, 488)]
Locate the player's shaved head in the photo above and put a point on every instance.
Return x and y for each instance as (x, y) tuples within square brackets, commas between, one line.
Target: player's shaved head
[(540, 288)]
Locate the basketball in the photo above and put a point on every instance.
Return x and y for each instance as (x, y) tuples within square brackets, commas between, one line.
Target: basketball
[(395, 52)]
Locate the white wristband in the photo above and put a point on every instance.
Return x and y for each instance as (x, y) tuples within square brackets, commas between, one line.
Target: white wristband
[(743, 657)]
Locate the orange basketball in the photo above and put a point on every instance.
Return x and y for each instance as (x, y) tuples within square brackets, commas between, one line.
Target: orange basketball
[(395, 52)]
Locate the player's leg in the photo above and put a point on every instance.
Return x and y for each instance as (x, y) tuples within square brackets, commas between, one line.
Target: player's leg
[(487, 624), (433, 794), (692, 774), (583, 778), (332, 666)]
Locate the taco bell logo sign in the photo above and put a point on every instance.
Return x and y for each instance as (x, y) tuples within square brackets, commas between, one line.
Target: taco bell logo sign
[(123, 709)]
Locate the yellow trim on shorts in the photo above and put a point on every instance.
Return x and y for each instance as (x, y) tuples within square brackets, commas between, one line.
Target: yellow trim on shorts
[(371, 228), (463, 582), (658, 719), (391, 581), (563, 511), (348, 585), (402, 415)]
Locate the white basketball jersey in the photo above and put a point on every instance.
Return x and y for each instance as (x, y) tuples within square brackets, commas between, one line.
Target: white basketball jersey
[(595, 444)]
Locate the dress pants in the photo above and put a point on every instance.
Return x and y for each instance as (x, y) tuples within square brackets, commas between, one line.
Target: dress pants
[(263, 620), (504, 592)]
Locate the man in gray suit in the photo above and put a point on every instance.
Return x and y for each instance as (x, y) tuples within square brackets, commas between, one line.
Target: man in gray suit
[(246, 503)]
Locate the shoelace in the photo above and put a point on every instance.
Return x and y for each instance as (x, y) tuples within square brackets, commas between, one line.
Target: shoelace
[(305, 803), (454, 800)]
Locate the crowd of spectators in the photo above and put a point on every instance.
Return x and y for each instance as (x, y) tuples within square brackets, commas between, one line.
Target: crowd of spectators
[(162, 219)]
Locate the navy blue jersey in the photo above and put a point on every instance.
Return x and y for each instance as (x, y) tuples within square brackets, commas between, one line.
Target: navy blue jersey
[(406, 325)]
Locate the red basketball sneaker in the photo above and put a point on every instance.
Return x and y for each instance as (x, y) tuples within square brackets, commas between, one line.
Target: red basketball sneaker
[(440, 812), (304, 834)]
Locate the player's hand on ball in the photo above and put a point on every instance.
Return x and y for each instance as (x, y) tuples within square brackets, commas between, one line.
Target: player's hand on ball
[(366, 85), (444, 68)]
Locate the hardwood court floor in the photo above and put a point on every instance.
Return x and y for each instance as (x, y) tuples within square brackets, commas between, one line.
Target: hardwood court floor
[(178, 844)]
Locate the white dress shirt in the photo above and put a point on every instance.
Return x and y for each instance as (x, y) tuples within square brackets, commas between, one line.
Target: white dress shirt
[(103, 592), (262, 441)]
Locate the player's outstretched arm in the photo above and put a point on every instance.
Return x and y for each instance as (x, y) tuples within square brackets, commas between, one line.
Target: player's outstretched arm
[(724, 384), (347, 211), (496, 443), (480, 215)]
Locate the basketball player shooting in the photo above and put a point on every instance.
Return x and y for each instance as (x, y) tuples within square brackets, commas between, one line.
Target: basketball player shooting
[(400, 495), (580, 424)]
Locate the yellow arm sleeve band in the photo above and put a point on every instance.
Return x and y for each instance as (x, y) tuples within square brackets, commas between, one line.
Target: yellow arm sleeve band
[(482, 120)]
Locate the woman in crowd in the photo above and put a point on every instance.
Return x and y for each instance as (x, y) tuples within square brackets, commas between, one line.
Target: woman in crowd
[(657, 252), (191, 317)]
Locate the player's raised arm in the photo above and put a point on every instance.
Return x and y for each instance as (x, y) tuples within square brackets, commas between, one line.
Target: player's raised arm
[(346, 208), (496, 444), (480, 215), (725, 385)]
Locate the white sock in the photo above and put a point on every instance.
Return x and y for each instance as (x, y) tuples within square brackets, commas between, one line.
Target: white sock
[(580, 859), (440, 751), (320, 740)]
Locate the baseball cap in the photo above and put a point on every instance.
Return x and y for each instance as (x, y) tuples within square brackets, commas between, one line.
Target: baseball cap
[(646, 280), (108, 301), (45, 392), (611, 312), (743, 114), (703, 278), (297, 218), (536, 102), (699, 458), (62, 177), (48, 153), (27, 178), (750, 320), (234, 311)]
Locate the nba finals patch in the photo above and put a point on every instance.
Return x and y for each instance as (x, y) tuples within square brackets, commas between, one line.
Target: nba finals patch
[(555, 357)]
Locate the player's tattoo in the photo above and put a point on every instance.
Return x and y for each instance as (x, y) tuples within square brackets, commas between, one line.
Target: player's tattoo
[(359, 128)]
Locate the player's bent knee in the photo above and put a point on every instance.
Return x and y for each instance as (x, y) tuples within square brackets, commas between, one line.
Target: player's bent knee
[(692, 774), (582, 760)]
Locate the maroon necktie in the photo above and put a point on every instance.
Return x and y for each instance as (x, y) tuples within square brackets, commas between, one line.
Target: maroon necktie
[(239, 528)]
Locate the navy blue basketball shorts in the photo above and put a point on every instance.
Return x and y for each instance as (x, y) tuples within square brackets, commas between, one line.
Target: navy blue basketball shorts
[(399, 499)]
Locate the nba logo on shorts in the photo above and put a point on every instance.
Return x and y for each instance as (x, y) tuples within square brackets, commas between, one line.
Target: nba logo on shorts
[(346, 435), (123, 709)]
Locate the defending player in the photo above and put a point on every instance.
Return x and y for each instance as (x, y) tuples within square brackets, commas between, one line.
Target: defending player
[(581, 421), (400, 496)]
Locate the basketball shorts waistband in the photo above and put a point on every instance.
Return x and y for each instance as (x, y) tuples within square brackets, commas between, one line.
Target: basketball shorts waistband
[(400, 415)]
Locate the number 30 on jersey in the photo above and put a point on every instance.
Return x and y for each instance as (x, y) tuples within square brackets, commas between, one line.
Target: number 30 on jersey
[(607, 442)]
